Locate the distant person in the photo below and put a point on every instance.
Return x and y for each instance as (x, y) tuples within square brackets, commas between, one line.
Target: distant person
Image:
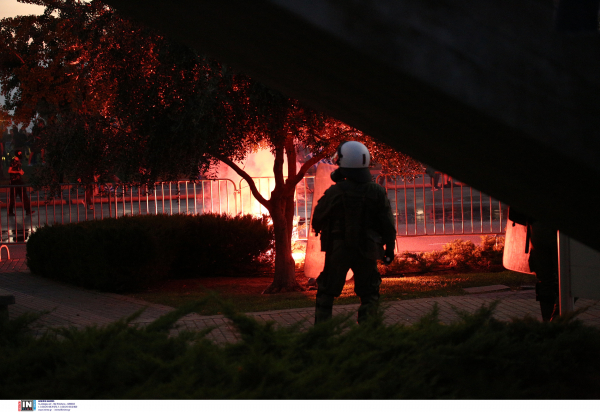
[(90, 191), (5, 136), (12, 141), (18, 141), (355, 221), (93, 188), (435, 178), (15, 171), (115, 183), (6, 146), (36, 144)]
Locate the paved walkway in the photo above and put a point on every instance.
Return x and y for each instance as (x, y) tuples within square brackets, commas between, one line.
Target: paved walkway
[(73, 306)]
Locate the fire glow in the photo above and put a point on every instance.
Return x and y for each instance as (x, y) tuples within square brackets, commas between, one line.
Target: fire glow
[(259, 165)]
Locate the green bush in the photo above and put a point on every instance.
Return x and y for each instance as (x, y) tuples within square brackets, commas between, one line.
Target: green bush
[(477, 357), (132, 253), (491, 250), (459, 254)]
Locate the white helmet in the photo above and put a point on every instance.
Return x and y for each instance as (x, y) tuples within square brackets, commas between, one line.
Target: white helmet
[(352, 155)]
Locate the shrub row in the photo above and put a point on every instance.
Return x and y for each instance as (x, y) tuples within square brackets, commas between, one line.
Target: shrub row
[(459, 254), (477, 357), (134, 252)]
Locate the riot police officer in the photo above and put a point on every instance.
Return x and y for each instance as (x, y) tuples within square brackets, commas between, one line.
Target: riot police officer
[(355, 221)]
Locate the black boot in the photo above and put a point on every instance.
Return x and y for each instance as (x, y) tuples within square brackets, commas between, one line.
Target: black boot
[(549, 309), (324, 308), (368, 306)]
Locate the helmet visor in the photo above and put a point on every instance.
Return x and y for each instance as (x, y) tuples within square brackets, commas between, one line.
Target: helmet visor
[(337, 156), (335, 159)]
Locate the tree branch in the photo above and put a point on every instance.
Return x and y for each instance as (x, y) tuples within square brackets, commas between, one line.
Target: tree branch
[(311, 162), (18, 57), (278, 167), (290, 151), (266, 203)]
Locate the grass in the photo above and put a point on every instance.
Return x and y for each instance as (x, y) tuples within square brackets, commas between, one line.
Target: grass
[(246, 293)]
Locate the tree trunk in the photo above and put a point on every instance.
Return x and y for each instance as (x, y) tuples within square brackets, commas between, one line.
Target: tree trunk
[(281, 209), (285, 267)]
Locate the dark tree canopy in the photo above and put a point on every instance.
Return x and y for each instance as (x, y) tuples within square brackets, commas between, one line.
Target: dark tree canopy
[(120, 98), (165, 106), (167, 109)]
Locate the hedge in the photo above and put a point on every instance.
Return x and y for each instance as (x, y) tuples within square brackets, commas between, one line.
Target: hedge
[(459, 254), (477, 357), (133, 252)]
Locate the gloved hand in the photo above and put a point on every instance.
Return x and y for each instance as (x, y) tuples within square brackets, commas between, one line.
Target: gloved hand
[(389, 255)]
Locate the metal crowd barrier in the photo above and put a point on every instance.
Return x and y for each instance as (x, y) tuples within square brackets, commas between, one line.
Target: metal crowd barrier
[(419, 210), (422, 208), (73, 204), (303, 198)]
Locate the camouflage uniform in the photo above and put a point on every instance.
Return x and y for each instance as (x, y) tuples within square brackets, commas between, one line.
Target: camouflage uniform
[(355, 220)]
